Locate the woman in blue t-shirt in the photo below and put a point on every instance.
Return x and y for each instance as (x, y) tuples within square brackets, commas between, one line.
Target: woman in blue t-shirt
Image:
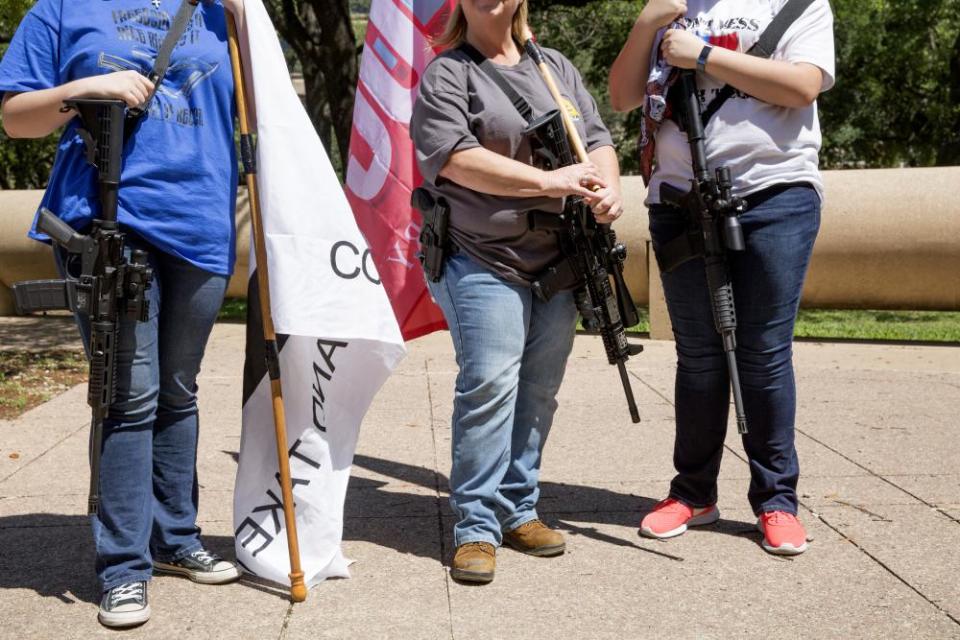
[(176, 202)]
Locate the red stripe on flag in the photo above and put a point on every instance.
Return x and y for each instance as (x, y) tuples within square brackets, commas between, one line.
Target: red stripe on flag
[(383, 170)]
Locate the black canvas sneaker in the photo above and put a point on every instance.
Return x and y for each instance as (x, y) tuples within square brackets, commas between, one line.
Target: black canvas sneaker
[(201, 566), (125, 605)]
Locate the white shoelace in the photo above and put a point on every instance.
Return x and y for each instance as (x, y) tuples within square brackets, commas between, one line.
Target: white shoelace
[(204, 556), (126, 591)]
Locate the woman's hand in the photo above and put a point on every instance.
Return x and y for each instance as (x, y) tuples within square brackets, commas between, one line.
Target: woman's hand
[(660, 13), (130, 86), (574, 180), (607, 205), (681, 48)]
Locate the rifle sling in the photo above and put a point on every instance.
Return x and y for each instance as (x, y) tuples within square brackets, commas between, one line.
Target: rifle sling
[(162, 64), (519, 102)]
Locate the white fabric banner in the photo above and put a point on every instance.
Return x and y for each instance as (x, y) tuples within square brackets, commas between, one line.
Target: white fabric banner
[(338, 336)]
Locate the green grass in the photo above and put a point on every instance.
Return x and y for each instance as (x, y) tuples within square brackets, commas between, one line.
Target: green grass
[(912, 326), (233, 310), (823, 324)]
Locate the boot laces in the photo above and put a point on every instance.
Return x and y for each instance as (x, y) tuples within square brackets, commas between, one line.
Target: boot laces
[(479, 544)]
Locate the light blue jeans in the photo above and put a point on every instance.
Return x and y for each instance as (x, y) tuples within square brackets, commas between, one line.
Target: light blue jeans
[(512, 351), (148, 477)]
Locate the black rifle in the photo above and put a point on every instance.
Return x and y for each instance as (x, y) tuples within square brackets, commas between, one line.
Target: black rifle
[(592, 257), (109, 286), (713, 228)]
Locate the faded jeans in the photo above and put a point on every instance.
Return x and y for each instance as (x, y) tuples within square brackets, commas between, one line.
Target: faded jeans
[(512, 351)]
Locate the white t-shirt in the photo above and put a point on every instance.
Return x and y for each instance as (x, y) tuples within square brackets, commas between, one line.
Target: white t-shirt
[(763, 144)]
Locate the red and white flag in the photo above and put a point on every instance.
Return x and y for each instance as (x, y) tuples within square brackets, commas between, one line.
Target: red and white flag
[(382, 170)]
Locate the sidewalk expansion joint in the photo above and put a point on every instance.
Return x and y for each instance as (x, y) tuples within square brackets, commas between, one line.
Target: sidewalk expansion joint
[(934, 603), (286, 622), (85, 425), (880, 477), (439, 495)]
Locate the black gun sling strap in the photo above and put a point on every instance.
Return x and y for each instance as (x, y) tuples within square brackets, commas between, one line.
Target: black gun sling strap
[(160, 66), (765, 47), (519, 102)]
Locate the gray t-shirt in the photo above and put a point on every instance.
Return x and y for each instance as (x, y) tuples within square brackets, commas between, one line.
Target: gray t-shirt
[(459, 107)]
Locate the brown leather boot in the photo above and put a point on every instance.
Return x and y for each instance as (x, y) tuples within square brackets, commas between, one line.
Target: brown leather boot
[(474, 562), (536, 539)]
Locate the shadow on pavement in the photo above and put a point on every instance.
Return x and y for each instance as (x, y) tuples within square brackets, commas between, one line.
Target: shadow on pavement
[(53, 555), (572, 507)]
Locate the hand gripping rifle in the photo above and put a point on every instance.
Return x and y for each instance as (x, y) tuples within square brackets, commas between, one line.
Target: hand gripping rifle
[(592, 255), (713, 228), (109, 287)]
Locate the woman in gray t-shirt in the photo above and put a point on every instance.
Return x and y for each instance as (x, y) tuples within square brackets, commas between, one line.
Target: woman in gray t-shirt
[(511, 347)]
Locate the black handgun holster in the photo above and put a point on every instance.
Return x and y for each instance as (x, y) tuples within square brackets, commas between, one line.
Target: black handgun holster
[(435, 245)]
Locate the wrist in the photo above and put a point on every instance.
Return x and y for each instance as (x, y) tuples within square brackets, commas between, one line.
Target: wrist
[(544, 182), (703, 57), (644, 22)]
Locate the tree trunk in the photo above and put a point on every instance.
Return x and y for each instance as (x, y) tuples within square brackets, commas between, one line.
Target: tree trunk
[(339, 68), (316, 98), (321, 34)]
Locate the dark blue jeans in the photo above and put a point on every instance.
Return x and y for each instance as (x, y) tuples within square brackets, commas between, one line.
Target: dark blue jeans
[(779, 229), (148, 479)]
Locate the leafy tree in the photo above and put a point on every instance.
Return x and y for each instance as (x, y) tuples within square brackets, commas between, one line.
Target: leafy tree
[(24, 164), (897, 98), (591, 34)]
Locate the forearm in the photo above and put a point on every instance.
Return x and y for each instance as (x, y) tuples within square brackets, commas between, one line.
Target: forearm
[(776, 82), (609, 165), (628, 75), (37, 114), (489, 172)]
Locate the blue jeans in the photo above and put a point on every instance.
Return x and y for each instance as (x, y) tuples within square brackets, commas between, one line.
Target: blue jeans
[(512, 351), (779, 229), (148, 479)]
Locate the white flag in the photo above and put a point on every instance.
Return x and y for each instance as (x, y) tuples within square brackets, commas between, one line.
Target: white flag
[(337, 333)]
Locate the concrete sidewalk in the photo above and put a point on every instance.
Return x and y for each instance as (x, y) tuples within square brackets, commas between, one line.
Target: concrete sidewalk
[(877, 435)]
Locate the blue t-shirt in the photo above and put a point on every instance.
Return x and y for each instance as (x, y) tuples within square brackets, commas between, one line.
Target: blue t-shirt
[(179, 181)]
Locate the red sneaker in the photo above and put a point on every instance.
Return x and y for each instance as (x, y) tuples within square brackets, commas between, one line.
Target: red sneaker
[(671, 518), (783, 534)]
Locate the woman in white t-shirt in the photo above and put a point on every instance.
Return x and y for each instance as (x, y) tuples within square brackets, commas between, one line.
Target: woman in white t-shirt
[(768, 134)]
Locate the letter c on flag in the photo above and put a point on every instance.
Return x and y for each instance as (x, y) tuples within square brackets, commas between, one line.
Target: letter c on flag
[(366, 266)]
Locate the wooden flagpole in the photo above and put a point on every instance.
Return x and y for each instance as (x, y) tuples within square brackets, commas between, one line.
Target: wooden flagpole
[(298, 590)]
